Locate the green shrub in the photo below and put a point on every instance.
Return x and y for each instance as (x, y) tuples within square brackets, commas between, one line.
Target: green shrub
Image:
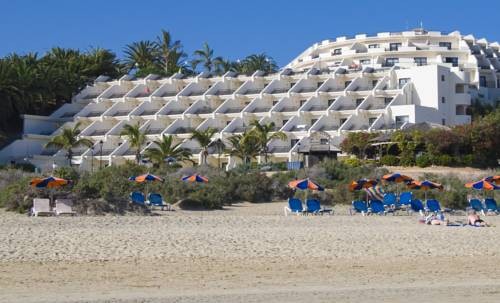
[(389, 160), (353, 162), (444, 160), (423, 160)]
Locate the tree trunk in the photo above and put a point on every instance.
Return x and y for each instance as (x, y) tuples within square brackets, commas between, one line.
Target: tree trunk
[(70, 156)]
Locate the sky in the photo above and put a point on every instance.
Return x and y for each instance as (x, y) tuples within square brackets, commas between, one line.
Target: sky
[(234, 29)]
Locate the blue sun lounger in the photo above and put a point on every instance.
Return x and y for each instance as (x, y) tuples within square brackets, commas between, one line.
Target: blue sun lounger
[(358, 206), (377, 207), (294, 207), (137, 198), (433, 206), (491, 205), (405, 199), (155, 199), (477, 205), (416, 206), (390, 200), (314, 207)]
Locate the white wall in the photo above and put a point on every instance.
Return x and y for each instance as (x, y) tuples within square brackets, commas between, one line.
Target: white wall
[(35, 125)]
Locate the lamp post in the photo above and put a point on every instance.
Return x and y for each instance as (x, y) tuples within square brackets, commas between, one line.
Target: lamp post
[(100, 154)]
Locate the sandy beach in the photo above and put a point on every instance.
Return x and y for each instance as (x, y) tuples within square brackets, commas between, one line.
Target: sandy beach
[(246, 253)]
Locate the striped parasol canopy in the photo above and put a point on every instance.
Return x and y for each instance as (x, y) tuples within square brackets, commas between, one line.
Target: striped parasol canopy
[(397, 177), (145, 178), (482, 185), (362, 184), (305, 184), (425, 185), (195, 178), (493, 179), (49, 182)]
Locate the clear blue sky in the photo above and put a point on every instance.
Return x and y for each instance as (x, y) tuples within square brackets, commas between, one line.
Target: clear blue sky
[(234, 29)]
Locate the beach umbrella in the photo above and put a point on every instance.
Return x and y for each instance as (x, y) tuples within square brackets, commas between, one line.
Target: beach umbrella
[(49, 182), (397, 178), (305, 184), (493, 179), (146, 178), (364, 184), (482, 185), (195, 179), (425, 185)]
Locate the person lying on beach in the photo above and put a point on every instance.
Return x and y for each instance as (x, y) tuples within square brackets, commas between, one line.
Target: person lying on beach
[(434, 219), (474, 219)]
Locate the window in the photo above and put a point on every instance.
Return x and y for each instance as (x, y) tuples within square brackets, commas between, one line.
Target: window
[(347, 83), (400, 120), (391, 61), (394, 46), (459, 88), (443, 121), (320, 83), (442, 78), (359, 101), (302, 102), (365, 61), (387, 101), (323, 141), (374, 83), (337, 51), (227, 122), (292, 84), (461, 110), (498, 83), (452, 60), (443, 100), (343, 120), (445, 44), (373, 46), (293, 142), (403, 81), (284, 122), (420, 61), (330, 101), (371, 120), (313, 121), (482, 81)]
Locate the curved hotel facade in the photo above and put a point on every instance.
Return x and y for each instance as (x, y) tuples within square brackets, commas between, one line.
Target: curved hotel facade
[(363, 83)]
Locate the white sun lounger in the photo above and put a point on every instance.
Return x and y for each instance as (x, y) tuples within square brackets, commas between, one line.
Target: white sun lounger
[(64, 207), (41, 207)]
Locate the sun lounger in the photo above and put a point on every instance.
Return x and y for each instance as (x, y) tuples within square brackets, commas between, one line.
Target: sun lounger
[(491, 206), (157, 200), (377, 207), (405, 198), (416, 206), (41, 207), (477, 205), (390, 200), (313, 206), (433, 206), (294, 206), (64, 207), (138, 198), (359, 206)]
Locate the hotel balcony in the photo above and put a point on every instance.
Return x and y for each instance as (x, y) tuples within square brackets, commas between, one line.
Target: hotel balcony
[(331, 85), (120, 110), (305, 87), (315, 104), (115, 92), (232, 107), (259, 105), (214, 123), (203, 108), (297, 124), (166, 91), (141, 92), (193, 89), (279, 146), (287, 105), (182, 127), (226, 88), (277, 87), (98, 129), (343, 104), (147, 108), (174, 108), (237, 125)]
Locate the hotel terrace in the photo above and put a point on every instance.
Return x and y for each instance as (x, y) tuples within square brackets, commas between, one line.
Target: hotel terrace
[(365, 83)]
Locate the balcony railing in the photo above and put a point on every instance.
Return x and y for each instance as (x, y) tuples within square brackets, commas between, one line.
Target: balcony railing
[(280, 90), (195, 93), (346, 107), (306, 90), (333, 89), (129, 152), (77, 153), (224, 92), (375, 106), (289, 109), (232, 110), (252, 91), (204, 110), (296, 128), (317, 107), (94, 114), (116, 95), (121, 113), (168, 94), (91, 95), (149, 112), (69, 115), (328, 128), (279, 149), (142, 95), (154, 131), (48, 152), (183, 130), (240, 129), (175, 111), (261, 109), (99, 132)]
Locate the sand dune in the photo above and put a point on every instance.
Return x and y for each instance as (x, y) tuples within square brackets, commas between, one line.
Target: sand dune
[(247, 253)]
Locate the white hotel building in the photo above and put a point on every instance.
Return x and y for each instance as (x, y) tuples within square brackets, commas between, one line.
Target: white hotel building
[(364, 83)]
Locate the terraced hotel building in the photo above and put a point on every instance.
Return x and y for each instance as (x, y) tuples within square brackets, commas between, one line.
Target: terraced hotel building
[(364, 83)]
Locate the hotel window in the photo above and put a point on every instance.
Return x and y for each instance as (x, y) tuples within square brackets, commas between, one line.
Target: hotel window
[(293, 142), (330, 101), (391, 61), (400, 120), (302, 102), (371, 120), (313, 121), (343, 120), (387, 100), (394, 46), (323, 141), (320, 83), (420, 61), (284, 122), (443, 121), (365, 61), (359, 101), (403, 81), (347, 83), (445, 44), (227, 122), (292, 84), (337, 51), (452, 60), (443, 100), (374, 83), (275, 102), (373, 46), (482, 81)]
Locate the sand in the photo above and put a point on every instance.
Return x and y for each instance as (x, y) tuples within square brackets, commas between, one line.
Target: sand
[(246, 253)]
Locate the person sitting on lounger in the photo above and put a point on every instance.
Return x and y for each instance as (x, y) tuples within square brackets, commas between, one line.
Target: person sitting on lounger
[(438, 219), (474, 219)]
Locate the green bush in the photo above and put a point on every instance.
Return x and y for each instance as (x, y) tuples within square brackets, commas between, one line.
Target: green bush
[(353, 162), (423, 160), (444, 160), (389, 160)]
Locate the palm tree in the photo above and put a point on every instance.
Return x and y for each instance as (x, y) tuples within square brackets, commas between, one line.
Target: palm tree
[(135, 137), (244, 146), (205, 56), (68, 139), (204, 138), (167, 149), (264, 134), (141, 55), (170, 52), (219, 147), (255, 62)]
